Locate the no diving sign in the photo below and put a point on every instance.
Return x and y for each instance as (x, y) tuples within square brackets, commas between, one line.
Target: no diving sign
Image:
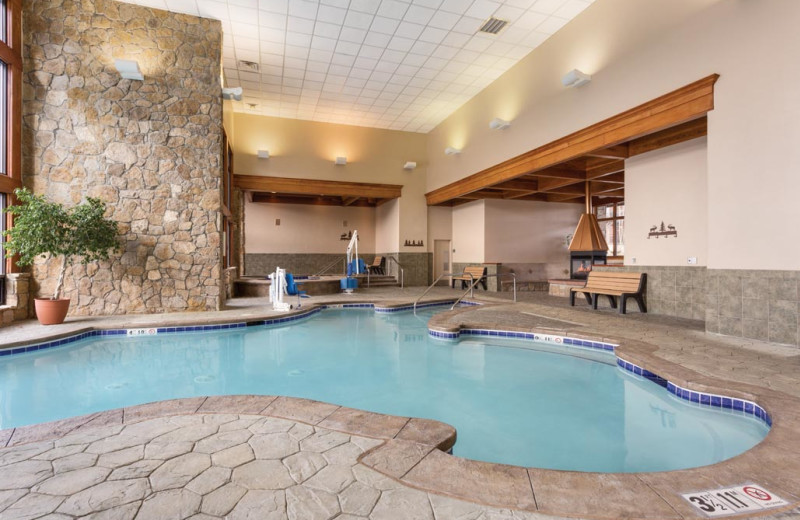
[(730, 501)]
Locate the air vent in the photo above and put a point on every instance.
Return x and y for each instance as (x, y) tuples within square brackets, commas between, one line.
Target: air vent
[(248, 65), (493, 26)]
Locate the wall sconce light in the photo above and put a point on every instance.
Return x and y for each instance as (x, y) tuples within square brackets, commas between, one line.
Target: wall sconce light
[(410, 165), (232, 93), (340, 161), (129, 69), (499, 124), (575, 78), (263, 154), (451, 151)]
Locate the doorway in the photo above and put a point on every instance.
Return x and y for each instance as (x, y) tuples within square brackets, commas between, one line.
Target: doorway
[(442, 262)]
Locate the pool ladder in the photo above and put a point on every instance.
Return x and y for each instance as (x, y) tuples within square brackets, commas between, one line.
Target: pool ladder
[(472, 283)]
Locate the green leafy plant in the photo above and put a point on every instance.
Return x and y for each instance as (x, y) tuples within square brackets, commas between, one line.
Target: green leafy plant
[(45, 228)]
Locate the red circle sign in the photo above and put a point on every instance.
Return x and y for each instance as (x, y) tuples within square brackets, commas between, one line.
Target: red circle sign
[(758, 494)]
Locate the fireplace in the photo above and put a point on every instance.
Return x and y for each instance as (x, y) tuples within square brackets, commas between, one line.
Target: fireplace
[(581, 263)]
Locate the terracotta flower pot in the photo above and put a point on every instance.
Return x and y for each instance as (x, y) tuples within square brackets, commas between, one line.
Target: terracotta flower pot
[(51, 312)]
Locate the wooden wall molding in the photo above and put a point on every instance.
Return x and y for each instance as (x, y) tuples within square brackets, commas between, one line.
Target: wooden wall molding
[(347, 192), (600, 140)]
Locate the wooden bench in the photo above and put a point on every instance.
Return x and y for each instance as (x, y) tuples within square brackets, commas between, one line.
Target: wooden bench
[(377, 265), (478, 274), (612, 285)]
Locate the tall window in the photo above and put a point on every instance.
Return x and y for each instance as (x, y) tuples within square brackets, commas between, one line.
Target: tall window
[(10, 114), (611, 218)]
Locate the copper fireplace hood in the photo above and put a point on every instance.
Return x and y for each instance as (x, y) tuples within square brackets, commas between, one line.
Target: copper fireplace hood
[(588, 236)]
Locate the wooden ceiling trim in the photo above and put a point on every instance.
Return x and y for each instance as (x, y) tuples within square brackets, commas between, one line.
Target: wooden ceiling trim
[(684, 104), (670, 136), (274, 198), (284, 185)]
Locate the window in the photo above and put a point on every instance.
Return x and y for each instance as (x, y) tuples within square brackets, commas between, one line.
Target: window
[(10, 115), (611, 218)]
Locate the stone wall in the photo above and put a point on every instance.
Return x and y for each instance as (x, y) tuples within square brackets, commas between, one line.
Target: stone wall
[(417, 268), (262, 264), (18, 300), (150, 149)]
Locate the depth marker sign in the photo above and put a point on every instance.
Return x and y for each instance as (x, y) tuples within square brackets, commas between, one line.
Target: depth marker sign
[(729, 501)]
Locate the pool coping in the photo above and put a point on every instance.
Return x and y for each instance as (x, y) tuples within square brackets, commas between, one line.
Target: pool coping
[(414, 460)]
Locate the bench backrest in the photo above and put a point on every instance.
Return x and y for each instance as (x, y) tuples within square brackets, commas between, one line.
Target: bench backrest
[(377, 261), (609, 280), (475, 270)]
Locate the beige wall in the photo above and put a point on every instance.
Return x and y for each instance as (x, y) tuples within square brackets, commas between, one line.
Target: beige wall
[(305, 149), (387, 227), (668, 185), (440, 224), (637, 51), (469, 222), (530, 232), (306, 229)]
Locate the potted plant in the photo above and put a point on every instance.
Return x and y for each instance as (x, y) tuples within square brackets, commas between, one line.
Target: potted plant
[(45, 228)]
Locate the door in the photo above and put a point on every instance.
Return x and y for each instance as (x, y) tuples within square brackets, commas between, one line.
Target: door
[(441, 260)]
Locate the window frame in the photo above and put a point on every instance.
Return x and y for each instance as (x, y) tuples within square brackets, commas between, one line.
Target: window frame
[(615, 218), (11, 56)]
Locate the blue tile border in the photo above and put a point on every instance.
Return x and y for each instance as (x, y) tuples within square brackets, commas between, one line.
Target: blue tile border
[(701, 398), (403, 308)]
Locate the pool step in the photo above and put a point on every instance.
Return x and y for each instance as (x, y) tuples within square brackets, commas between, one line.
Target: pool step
[(379, 280)]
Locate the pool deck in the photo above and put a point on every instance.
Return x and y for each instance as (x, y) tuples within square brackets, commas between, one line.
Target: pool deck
[(264, 457)]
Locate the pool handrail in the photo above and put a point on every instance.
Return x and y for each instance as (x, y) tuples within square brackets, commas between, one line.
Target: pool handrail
[(402, 270), (434, 283), (330, 265)]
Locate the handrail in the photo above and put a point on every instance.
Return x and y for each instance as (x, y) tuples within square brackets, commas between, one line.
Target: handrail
[(472, 283), (431, 286), (328, 267), (402, 271), (498, 275)]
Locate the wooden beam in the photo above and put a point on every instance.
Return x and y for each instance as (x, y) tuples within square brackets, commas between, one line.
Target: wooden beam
[(606, 169), (554, 184), (558, 197), (676, 134), (618, 177), (619, 151), (285, 185), (684, 104), (346, 201), (602, 187), (518, 185)]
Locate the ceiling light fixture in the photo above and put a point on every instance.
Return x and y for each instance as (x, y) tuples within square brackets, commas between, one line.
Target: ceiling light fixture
[(129, 69), (410, 165), (499, 124), (575, 78), (232, 93), (451, 151), (340, 161), (263, 154)]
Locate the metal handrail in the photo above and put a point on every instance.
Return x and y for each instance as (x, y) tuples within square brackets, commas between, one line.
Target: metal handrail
[(472, 283), (431, 286), (513, 275), (328, 267), (402, 271)]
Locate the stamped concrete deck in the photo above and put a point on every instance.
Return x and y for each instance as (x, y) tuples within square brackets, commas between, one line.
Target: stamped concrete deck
[(387, 474)]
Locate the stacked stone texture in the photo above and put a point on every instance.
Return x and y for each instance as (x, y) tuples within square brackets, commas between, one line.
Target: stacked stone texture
[(150, 149)]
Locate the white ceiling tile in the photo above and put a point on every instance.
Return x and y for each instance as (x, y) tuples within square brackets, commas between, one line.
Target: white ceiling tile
[(303, 9), (393, 9), (548, 6), (384, 25), (455, 6), (419, 14), (343, 60), (211, 9), (468, 25), (300, 25), (530, 20), (444, 20), (551, 25), (399, 43), (347, 48), (416, 60), (353, 35), (455, 39), (245, 30), (377, 39), (365, 63), (409, 30), (482, 9), (327, 30), (406, 64), (325, 44), (271, 20), (298, 39), (331, 14), (424, 48), (433, 35)]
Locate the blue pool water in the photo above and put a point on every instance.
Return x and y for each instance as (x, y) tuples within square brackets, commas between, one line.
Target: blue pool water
[(511, 401)]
